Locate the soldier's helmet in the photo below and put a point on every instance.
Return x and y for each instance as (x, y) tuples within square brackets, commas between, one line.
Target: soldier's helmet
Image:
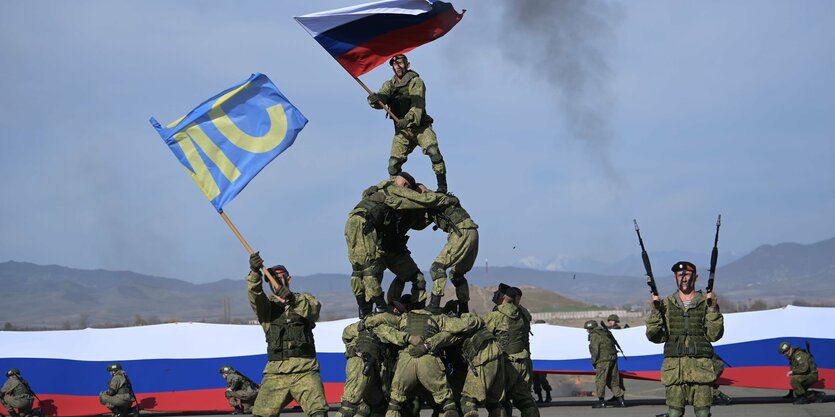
[(113, 367), (614, 318), (13, 371), (225, 369), (783, 347), (590, 324)]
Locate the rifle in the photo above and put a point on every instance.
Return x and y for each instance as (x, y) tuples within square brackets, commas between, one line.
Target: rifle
[(446, 218), (809, 349), (714, 255), (611, 336), (653, 289), (26, 384)]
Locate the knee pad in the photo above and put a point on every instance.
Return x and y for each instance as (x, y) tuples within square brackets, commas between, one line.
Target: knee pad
[(437, 271), (702, 411), (348, 409), (458, 280), (395, 166), (469, 407), (434, 154)]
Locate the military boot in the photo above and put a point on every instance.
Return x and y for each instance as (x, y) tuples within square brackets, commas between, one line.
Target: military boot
[(237, 410), (539, 397), (364, 307), (434, 306), (548, 396), (463, 307), (721, 399), (619, 402), (442, 187), (601, 403), (380, 302)]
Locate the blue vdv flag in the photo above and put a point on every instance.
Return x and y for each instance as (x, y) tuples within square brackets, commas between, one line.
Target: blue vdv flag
[(226, 141)]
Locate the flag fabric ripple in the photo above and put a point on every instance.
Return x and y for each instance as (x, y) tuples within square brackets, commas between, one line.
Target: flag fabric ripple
[(364, 36), (228, 139)]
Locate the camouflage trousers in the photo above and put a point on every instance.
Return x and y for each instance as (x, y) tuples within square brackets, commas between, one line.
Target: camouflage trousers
[(364, 256), (405, 270), (518, 386), (459, 255), (402, 146), (23, 403), (801, 383), (606, 375), (277, 390), (484, 386), (360, 389), (697, 395), (411, 373), (246, 397)]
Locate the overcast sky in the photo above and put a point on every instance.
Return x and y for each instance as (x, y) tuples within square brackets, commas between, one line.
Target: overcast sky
[(559, 123)]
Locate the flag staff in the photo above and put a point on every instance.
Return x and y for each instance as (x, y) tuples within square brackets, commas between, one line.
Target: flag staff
[(266, 270)]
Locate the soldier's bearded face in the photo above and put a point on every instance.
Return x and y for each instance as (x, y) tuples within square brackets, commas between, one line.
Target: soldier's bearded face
[(400, 66), (685, 281)]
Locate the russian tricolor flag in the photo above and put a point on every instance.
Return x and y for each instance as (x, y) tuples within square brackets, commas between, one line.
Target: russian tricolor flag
[(364, 36)]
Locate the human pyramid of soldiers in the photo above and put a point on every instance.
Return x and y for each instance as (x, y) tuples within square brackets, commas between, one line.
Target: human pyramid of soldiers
[(404, 352)]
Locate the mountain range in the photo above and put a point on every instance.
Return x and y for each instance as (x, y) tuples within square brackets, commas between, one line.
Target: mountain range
[(60, 296)]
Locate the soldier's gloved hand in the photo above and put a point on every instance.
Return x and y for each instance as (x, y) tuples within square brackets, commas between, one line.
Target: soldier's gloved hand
[(255, 262), (373, 98), (417, 351), (402, 124), (415, 340), (286, 294)]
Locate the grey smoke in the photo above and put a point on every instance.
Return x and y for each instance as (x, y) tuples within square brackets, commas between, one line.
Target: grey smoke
[(566, 44)]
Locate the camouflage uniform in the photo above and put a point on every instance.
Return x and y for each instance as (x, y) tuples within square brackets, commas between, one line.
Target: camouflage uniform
[(363, 387), (804, 373), (16, 393), (719, 397), (292, 370), (484, 380), (240, 388), (427, 370), (511, 325), (368, 231), (687, 371), (119, 395), (459, 254), (604, 357), (406, 98)]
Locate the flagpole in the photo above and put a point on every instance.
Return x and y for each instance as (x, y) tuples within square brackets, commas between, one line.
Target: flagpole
[(383, 105), (267, 273)]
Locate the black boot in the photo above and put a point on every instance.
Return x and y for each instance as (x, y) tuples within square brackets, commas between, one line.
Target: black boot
[(619, 402), (434, 306), (548, 396), (539, 398), (238, 410), (721, 399), (599, 404), (380, 301), (442, 187), (463, 307), (364, 307)]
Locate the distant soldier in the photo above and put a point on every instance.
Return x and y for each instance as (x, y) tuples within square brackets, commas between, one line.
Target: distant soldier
[(803, 373), (458, 255), (119, 395), (613, 321), (405, 95), (16, 394), (604, 358), (540, 383), (288, 319), (687, 323), (719, 397), (240, 390), (375, 235), (512, 329)]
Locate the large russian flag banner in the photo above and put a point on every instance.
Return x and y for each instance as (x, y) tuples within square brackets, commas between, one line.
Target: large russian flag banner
[(174, 367), (364, 36)]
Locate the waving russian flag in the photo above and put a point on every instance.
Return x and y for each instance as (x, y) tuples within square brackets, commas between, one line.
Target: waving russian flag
[(364, 36)]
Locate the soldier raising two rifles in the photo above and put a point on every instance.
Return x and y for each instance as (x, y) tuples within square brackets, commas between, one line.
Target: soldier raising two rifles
[(687, 322), (405, 95)]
